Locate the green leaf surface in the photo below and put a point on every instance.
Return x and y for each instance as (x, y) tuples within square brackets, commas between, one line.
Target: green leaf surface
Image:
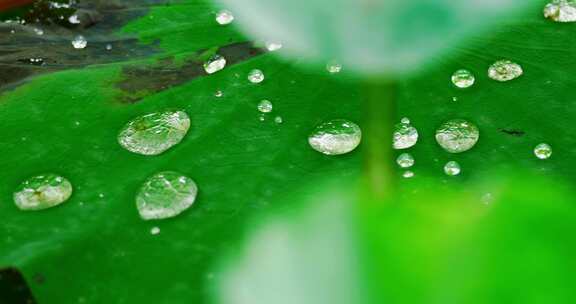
[(96, 249)]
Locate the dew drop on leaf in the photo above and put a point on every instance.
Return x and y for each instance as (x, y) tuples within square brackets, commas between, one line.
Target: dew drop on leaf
[(452, 168), (154, 133), (405, 135), (265, 106), (42, 192), (272, 46), (214, 64), (165, 195), (505, 70), (561, 11), (408, 174), (463, 79), (154, 230), (543, 151), (256, 76), (79, 42), (457, 135), (405, 160), (224, 17), (335, 137), (334, 67)]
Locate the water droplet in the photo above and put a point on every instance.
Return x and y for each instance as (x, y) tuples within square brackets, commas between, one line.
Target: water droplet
[(42, 192), (454, 98), (278, 119), (79, 42), (408, 174), (405, 135), (154, 133), (256, 76), (38, 31), (452, 168), (165, 195), (405, 160), (561, 11), (73, 19), (335, 137), (463, 79), (214, 64), (219, 93), (265, 106), (457, 135), (224, 17), (505, 70), (487, 198), (334, 67), (272, 46), (543, 151), (154, 230), (405, 120), (108, 47)]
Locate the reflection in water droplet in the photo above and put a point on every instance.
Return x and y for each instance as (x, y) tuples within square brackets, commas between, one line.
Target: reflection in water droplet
[(505, 70), (463, 79), (265, 106), (214, 64), (335, 137), (561, 11), (256, 76), (154, 133), (224, 17), (405, 160), (165, 195), (405, 135), (457, 135), (272, 46), (408, 174), (79, 42), (543, 151), (452, 168), (334, 67), (42, 192)]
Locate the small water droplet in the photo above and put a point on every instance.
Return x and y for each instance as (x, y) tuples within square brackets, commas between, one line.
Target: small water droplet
[(561, 11), (165, 195), (79, 42), (154, 133), (405, 160), (457, 135), (405, 135), (334, 67), (335, 137), (265, 106), (108, 47), (224, 17), (454, 98), (452, 168), (256, 76), (214, 64), (42, 192), (101, 195), (463, 79), (272, 46), (278, 119), (154, 230), (405, 120), (219, 94), (543, 151), (73, 19), (408, 174), (505, 70), (38, 31)]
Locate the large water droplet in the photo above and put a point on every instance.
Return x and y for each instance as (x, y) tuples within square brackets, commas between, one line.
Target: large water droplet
[(224, 17), (463, 79), (543, 151), (154, 133), (165, 195), (405, 135), (214, 64), (561, 11), (457, 135), (256, 76), (265, 106), (452, 168), (79, 42), (335, 137), (505, 70), (405, 160), (42, 192)]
